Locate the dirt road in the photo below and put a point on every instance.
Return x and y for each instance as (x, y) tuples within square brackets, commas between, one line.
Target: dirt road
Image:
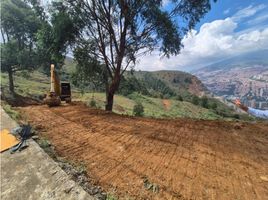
[(180, 159)]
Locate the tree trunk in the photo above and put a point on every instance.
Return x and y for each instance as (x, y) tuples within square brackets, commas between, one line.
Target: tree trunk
[(109, 101), (110, 91), (11, 82)]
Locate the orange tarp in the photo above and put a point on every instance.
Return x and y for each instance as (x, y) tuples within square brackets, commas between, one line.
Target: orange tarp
[(7, 140)]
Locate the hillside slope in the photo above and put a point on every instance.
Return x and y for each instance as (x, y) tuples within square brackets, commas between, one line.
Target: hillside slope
[(180, 81), (168, 83), (35, 85)]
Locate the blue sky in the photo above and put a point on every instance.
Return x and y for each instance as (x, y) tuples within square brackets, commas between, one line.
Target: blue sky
[(231, 28), (226, 8)]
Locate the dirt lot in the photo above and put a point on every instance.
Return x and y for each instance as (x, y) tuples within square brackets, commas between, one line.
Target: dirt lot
[(177, 159)]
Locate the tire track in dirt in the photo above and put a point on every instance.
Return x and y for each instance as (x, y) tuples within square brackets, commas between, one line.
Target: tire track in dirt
[(186, 158)]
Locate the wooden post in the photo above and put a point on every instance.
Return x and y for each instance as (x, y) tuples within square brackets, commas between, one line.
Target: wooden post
[(52, 78)]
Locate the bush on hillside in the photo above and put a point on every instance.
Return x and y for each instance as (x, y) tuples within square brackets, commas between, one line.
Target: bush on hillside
[(195, 100), (138, 110), (179, 98), (93, 103), (204, 102), (214, 106)]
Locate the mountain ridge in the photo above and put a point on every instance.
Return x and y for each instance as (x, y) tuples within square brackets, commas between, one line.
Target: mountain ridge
[(258, 58)]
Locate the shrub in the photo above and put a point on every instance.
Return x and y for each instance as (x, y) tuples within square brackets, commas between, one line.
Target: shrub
[(179, 98), (195, 100), (93, 103), (204, 102), (138, 110), (236, 116), (214, 106)]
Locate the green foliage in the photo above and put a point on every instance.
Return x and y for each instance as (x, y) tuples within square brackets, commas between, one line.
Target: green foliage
[(157, 87), (111, 196), (120, 31), (19, 25), (89, 73), (11, 112), (92, 103), (131, 84), (214, 106), (179, 98), (44, 143), (55, 36), (138, 109), (195, 100), (204, 102)]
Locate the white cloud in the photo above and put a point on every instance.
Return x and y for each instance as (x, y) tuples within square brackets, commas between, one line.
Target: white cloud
[(214, 41), (258, 19), (248, 12)]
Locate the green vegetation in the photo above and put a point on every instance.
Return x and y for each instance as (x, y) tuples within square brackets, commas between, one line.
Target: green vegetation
[(31, 39), (138, 109), (116, 37), (11, 112), (111, 196), (92, 103), (19, 25), (34, 85), (153, 107)]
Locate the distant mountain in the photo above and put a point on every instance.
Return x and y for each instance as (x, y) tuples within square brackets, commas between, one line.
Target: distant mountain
[(257, 58)]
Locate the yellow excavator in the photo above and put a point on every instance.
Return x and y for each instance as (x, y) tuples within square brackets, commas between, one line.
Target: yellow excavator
[(58, 91)]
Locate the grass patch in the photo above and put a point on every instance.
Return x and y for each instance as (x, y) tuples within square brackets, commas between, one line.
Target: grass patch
[(111, 196), (153, 107), (11, 112), (36, 84), (33, 85)]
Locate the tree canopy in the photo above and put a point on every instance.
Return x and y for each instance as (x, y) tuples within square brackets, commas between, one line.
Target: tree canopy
[(33, 37), (119, 31), (19, 26), (57, 33)]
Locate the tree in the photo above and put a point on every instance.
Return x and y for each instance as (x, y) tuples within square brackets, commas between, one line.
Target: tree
[(122, 30), (204, 102), (179, 98), (89, 72), (57, 33), (214, 106), (19, 26), (195, 100)]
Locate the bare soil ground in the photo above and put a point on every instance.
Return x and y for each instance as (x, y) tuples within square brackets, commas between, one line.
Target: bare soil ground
[(177, 159), (166, 104)]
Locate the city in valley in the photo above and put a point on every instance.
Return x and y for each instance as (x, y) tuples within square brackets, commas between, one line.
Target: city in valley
[(249, 84)]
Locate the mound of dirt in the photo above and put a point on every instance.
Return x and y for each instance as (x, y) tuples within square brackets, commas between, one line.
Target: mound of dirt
[(160, 159)]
